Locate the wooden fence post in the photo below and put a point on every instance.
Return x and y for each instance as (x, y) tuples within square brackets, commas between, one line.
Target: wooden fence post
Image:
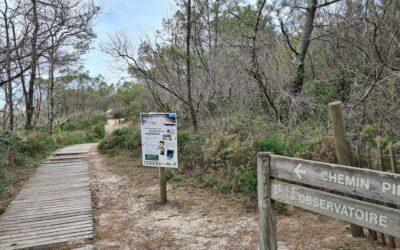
[(266, 208), (372, 233), (393, 161), (163, 185), (381, 168), (343, 149)]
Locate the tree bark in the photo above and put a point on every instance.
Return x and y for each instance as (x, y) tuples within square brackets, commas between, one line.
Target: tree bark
[(298, 82), (29, 98), (192, 110), (9, 92), (50, 93)]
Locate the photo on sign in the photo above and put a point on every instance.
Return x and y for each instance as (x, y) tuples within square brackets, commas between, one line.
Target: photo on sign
[(159, 139)]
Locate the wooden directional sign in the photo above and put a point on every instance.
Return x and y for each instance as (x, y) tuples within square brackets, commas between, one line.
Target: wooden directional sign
[(355, 182), (380, 218), (377, 185)]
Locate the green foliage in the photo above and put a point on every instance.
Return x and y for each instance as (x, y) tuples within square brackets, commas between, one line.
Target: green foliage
[(121, 140), (244, 180), (190, 146), (118, 114), (131, 99), (369, 132), (223, 144), (273, 144), (281, 207), (83, 129), (37, 144), (10, 143), (82, 123), (6, 179)]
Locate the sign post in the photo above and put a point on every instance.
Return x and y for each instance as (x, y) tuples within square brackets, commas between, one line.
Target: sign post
[(160, 145), (266, 210), (345, 191)]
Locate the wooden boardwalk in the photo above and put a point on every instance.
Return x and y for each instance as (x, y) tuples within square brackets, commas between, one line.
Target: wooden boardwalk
[(54, 206)]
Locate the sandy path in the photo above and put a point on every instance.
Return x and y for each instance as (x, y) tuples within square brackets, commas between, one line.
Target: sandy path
[(127, 216)]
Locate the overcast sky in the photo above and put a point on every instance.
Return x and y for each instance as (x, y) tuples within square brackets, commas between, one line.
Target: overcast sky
[(136, 18)]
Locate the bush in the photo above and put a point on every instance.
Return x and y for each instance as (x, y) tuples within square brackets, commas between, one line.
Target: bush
[(10, 144), (272, 144), (124, 139), (37, 144), (118, 114), (6, 179), (84, 123), (244, 180)]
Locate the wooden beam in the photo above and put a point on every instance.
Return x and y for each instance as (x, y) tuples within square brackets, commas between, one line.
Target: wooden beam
[(377, 217)]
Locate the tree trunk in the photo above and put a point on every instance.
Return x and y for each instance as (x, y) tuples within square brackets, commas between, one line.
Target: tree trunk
[(29, 99), (298, 82), (192, 111), (50, 94), (9, 92)]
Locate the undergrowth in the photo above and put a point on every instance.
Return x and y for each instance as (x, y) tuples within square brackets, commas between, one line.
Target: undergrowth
[(224, 159)]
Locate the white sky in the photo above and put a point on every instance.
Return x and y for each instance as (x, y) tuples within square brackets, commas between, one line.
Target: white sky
[(136, 18)]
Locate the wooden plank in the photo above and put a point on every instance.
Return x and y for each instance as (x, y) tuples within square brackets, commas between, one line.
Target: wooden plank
[(56, 188), (49, 197), (377, 185), (47, 240), (46, 233), (45, 216), (43, 223), (61, 229), (45, 206), (49, 211), (377, 217), (43, 201), (44, 192)]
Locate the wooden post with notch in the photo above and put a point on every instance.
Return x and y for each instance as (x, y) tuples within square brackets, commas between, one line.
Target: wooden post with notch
[(343, 149), (163, 185), (266, 206)]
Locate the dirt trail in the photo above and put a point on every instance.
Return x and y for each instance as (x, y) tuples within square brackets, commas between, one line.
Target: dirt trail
[(127, 216), (113, 124)]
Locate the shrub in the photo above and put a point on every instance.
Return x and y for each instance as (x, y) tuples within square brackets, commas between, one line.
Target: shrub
[(124, 139), (6, 179), (37, 144), (118, 114), (272, 144), (10, 144), (83, 123), (244, 180)]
